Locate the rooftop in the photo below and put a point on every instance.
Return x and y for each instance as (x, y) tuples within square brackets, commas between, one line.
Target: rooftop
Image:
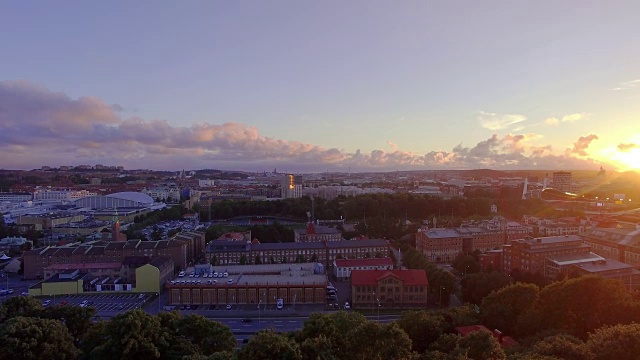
[(371, 277)]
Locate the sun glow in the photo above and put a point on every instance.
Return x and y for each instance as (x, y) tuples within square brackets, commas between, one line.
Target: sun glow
[(629, 160)]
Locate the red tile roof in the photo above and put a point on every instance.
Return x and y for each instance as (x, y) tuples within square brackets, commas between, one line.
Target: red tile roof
[(371, 277), (364, 262), (505, 341)]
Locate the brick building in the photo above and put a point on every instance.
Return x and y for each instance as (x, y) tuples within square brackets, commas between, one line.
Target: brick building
[(315, 232), (529, 255), (444, 244), (389, 288), (182, 249), (233, 252)]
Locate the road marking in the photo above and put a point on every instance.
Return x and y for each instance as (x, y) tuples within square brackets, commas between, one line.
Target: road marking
[(236, 329), (292, 321), (278, 321)]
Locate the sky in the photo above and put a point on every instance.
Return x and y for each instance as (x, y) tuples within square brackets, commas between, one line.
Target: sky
[(318, 86)]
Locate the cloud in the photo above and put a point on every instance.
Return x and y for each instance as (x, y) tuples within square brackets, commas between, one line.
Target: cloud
[(574, 117), (494, 121), (628, 147), (580, 146), (627, 85), (41, 127), (552, 121)]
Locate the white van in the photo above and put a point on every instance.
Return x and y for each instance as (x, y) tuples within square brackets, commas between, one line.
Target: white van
[(181, 274), (280, 304)]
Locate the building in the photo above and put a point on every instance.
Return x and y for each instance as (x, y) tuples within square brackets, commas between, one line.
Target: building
[(237, 252), (389, 289), (611, 269), (342, 267), (621, 244), (134, 274), (529, 255), (15, 197), (119, 200), (291, 187), (303, 283), (560, 266), (15, 244), (315, 232), (183, 249), (562, 181), (444, 244), (491, 260), (61, 195), (49, 220)]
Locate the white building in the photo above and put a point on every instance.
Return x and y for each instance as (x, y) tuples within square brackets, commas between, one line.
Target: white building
[(15, 197), (61, 195), (342, 267), (291, 187)]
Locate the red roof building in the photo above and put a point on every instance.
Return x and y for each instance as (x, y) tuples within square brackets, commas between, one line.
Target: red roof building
[(505, 341), (389, 288), (342, 267)]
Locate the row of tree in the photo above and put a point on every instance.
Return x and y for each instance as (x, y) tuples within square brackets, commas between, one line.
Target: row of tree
[(29, 331)]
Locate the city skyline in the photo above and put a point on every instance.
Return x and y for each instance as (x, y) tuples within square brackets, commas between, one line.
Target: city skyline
[(365, 86)]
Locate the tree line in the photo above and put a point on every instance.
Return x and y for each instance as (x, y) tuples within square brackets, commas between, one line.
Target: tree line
[(556, 322)]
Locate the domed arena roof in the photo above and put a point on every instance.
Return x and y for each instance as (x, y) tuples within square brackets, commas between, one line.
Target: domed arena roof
[(137, 197)]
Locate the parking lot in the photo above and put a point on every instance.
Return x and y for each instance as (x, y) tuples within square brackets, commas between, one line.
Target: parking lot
[(103, 303)]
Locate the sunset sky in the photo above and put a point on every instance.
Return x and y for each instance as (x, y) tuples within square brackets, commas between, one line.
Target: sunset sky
[(311, 86)]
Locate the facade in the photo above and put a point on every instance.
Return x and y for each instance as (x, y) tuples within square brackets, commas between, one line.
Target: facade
[(562, 181), (389, 289), (529, 255), (315, 232), (291, 187), (15, 197), (235, 252), (342, 267), (251, 284), (621, 244), (491, 260), (15, 244), (49, 220), (444, 244), (611, 269), (147, 276), (559, 266), (61, 195), (181, 249)]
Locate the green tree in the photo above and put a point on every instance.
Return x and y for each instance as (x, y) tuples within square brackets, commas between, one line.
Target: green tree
[(333, 327), (132, 335), (618, 342), (423, 328), (258, 261), (391, 343), (76, 318), (579, 306), (214, 260), (34, 338), (209, 336), (466, 264), (268, 345), (476, 286), (243, 259), (20, 306), (503, 308), (562, 346), (481, 345)]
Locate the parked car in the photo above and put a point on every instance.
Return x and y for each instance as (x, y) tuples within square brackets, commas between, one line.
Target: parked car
[(279, 304), (228, 306), (46, 303), (347, 306)]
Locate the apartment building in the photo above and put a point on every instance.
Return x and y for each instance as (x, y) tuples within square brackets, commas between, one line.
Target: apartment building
[(234, 252), (444, 244), (389, 288), (621, 244), (529, 255)]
